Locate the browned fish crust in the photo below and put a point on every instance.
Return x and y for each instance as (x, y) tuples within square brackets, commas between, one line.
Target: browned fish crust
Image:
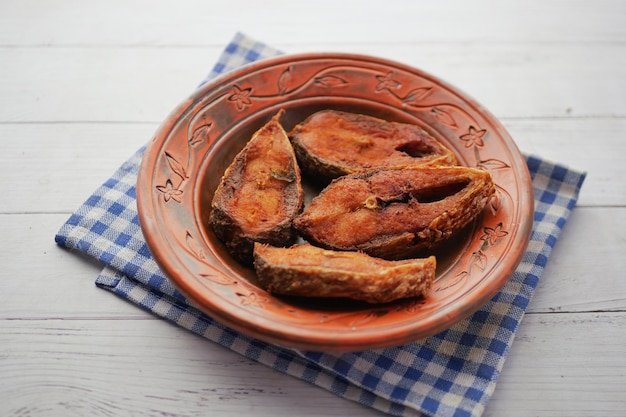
[(259, 194), (310, 271), (330, 143), (395, 213)]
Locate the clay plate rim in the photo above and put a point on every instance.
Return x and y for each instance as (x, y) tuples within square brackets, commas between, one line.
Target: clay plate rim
[(182, 254)]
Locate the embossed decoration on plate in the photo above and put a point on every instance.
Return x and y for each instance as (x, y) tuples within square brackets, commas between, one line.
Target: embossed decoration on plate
[(184, 163)]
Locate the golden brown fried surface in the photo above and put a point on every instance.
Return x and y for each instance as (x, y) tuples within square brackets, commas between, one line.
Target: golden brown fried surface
[(395, 213), (306, 270), (331, 143), (259, 195)]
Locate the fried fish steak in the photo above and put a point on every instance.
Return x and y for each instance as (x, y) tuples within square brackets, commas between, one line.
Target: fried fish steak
[(395, 213), (330, 143), (259, 194), (310, 271)]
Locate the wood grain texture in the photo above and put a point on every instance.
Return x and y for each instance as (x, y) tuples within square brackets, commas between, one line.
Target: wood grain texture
[(147, 368), (141, 22), (143, 368), (564, 364), (511, 80), (84, 84)]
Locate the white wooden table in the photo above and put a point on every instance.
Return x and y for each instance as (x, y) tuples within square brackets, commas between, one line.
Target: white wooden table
[(84, 84)]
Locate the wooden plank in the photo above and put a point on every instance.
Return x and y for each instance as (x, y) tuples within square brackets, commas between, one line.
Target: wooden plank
[(141, 22), (146, 368), (91, 84), (59, 177), (585, 270), (591, 145), (125, 367), (564, 365), (144, 84), (40, 280)]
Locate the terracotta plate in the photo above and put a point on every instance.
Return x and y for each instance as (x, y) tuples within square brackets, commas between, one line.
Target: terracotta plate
[(189, 153)]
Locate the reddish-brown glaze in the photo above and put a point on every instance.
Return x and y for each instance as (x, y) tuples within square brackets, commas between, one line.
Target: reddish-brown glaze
[(182, 167)]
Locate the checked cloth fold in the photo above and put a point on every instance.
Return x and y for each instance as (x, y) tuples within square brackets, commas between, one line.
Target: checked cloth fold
[(453, 373)]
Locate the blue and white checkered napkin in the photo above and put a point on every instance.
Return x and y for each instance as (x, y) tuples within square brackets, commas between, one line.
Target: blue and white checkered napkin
[(451, 374)]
